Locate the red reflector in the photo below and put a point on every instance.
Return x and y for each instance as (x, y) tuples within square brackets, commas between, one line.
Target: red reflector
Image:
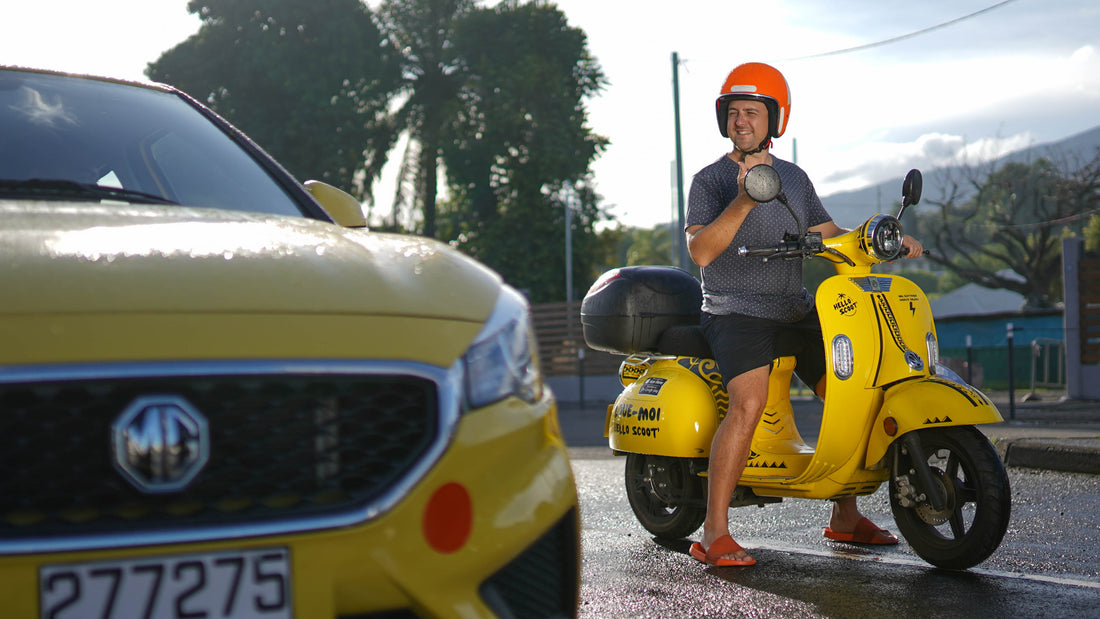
[(448, 518), (890, 426)]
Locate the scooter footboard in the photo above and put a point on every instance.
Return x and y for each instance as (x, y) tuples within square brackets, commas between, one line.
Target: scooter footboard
[(927, 403)]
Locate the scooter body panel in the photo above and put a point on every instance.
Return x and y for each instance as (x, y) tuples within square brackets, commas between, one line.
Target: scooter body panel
[(778, 452), (935, 402), (673, 409), (859, 308), (887, 319)]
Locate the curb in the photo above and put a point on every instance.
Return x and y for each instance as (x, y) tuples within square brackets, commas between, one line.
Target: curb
[(1070, 455)]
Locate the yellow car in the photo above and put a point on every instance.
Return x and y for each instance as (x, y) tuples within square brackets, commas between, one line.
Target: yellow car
[(216, 402)]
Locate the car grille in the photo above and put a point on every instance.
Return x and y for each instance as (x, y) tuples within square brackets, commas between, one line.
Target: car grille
[(282, 446), (542, 581)]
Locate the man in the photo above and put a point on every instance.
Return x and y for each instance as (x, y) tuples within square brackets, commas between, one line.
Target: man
[(754, 310)]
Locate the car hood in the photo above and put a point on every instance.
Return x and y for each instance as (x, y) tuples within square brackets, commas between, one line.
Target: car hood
[(79, 258)]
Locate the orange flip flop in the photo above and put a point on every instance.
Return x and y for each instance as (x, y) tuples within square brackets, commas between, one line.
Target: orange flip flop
[(865, 533), (722, 546)]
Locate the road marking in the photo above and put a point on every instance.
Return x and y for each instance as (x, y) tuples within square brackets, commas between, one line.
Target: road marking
[(864, 555)]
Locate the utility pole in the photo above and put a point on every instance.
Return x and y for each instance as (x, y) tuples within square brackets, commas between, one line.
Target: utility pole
[(571, 202), (682, 242), (569, 194)]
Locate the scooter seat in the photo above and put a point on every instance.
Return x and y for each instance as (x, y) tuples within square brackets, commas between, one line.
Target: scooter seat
[(684, 341)]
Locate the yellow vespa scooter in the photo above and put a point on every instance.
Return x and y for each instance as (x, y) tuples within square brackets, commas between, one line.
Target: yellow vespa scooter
[(892, 413)]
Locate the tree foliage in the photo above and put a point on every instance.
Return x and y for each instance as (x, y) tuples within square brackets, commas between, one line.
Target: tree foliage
[(491, 101), (1092, 234), (517, 149), (307, 81), (1012, 218), (422, 33)]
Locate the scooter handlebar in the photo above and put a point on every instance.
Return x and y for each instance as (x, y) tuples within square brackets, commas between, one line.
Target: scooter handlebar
[(804, 247), (786, 249)]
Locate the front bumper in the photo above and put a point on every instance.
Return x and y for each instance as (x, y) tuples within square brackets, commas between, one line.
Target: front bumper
[(519, 556)]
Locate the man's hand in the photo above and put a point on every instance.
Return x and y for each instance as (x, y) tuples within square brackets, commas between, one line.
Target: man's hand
[(742, 201), (916, 250)]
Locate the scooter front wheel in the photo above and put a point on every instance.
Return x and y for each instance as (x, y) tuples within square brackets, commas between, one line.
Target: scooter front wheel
[(667, 498), (972, 482)]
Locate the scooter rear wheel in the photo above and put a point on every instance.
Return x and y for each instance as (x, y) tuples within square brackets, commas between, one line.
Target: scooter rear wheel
[(969, 473), (666, 497)]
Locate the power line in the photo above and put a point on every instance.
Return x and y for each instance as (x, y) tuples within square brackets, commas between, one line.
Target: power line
[(902, 37), (1050, 222)]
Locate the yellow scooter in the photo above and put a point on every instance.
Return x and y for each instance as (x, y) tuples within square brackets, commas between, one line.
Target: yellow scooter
[(892, 413)]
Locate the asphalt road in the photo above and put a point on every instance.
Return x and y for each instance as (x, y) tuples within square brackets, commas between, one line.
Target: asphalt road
[(1047, 565)]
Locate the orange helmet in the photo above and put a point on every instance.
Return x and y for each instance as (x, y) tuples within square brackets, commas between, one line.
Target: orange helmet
[(756, 81)]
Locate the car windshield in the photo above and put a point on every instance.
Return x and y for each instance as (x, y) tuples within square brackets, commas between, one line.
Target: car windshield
[(71, 138)]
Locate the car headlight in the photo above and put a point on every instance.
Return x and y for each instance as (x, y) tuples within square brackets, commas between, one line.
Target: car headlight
[(501, 361)]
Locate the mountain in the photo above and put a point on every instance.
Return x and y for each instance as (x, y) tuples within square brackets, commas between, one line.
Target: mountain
[(851, 208)]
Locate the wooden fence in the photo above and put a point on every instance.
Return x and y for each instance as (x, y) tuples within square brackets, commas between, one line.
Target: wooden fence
[(561, 340), (1088, 278)]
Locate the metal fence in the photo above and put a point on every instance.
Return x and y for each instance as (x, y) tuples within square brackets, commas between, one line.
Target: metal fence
[(562, 351)]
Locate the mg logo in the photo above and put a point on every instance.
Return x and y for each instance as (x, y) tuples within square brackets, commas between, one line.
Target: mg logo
[(161, 443)]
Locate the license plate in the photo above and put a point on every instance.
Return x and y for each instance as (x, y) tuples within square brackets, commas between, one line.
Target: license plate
[(240, 584)]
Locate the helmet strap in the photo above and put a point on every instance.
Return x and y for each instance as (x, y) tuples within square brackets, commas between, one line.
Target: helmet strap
[(767, 143)]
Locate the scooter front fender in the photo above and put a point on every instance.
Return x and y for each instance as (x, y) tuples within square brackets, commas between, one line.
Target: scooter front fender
[(671, 410), (927, 403)]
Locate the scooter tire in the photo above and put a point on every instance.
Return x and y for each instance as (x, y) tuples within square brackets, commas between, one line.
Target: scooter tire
[(973, 478), (666, 497)]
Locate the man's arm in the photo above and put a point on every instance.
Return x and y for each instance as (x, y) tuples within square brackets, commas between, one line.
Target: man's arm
[(707, 242), (829, 229)]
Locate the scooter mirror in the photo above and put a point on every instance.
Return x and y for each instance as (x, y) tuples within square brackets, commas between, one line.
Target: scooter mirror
[(911, 188), (762, 183)]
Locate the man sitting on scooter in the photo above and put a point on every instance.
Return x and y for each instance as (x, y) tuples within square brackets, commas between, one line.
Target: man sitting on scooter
[(756, 310)]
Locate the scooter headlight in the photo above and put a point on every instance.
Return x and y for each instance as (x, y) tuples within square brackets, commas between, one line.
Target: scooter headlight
[(500, 363), (885, 235), (843, 362)]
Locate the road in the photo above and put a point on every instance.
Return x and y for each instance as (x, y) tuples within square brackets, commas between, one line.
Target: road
[(1047, 565)]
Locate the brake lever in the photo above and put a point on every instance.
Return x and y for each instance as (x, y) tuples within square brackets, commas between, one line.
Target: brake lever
[(833, 252)]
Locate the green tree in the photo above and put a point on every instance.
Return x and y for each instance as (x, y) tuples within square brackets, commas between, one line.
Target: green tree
[(490, 99), (305, 80), (1013, 218), (1092, 234), (422, 34), (516, 148)]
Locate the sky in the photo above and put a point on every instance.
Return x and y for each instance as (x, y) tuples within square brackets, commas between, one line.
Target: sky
[(922, 84)]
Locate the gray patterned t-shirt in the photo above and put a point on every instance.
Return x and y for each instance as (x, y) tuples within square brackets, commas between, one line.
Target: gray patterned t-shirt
[(734, 284)]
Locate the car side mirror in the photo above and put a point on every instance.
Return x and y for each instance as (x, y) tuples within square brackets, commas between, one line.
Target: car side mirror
[(341, 206)]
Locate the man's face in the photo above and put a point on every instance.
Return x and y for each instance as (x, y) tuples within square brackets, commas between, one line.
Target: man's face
[(747, 124)]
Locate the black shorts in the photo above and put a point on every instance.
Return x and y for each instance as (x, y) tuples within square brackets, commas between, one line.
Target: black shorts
[(742, 343)]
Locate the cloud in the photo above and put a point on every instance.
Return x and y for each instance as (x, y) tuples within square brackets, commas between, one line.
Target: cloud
[(875, 162)]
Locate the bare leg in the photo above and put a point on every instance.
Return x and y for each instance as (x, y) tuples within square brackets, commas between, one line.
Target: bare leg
[(845, 515), (729, 451), (846, 512)]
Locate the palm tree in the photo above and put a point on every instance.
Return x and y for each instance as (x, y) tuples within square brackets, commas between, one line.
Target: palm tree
[(421, 31)]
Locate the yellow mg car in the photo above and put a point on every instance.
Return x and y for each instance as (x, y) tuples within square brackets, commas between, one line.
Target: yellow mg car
[(219, 398)]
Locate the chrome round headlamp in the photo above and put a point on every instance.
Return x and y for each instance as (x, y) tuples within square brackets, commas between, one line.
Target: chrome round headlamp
[(884, 233)]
